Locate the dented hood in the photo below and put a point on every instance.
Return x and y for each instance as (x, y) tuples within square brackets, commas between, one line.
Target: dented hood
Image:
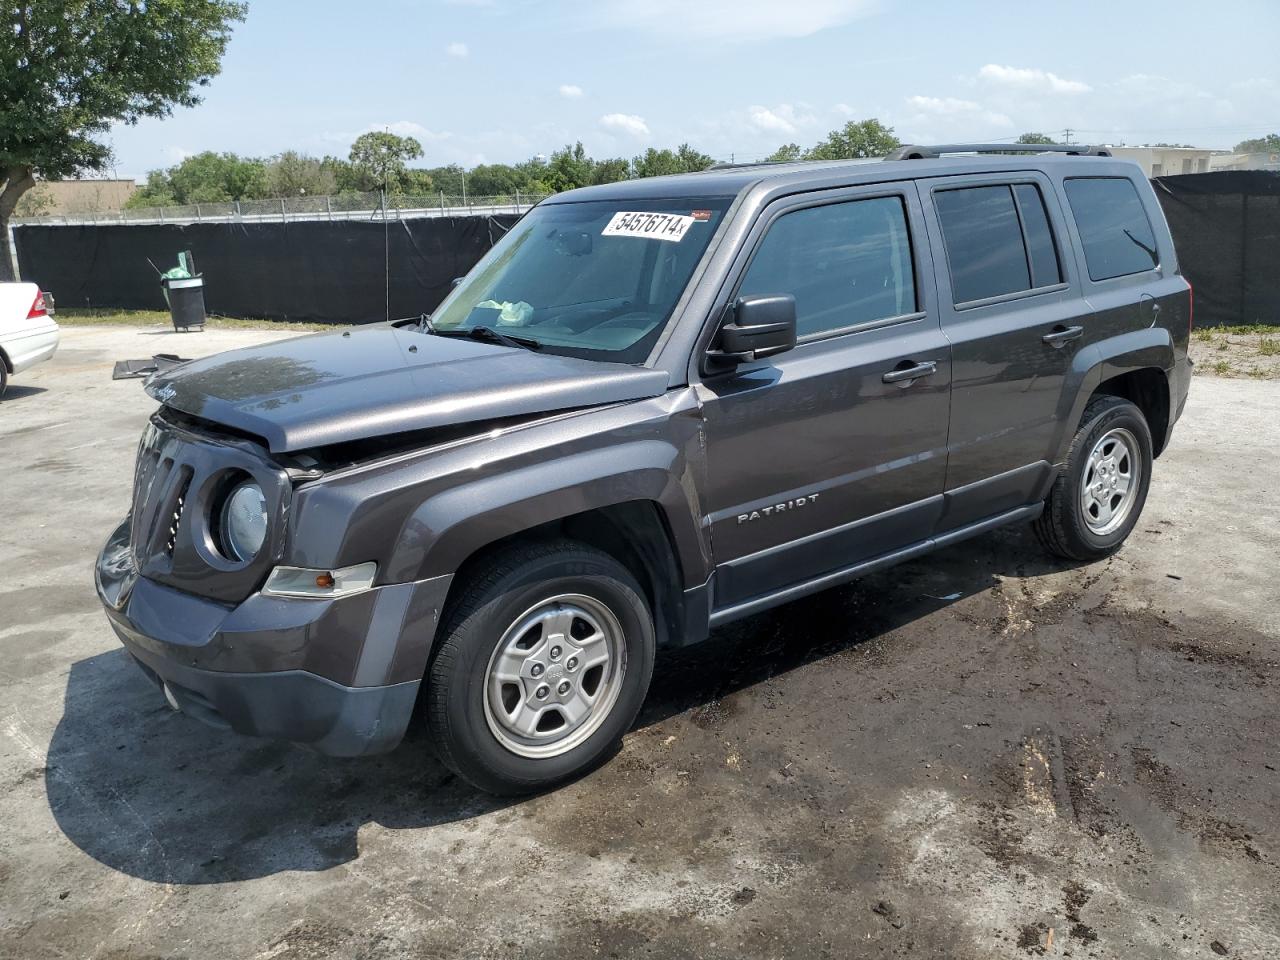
[(372, 381)]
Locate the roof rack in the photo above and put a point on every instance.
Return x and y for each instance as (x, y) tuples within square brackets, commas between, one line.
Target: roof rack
[(726, 165), (920, 152)]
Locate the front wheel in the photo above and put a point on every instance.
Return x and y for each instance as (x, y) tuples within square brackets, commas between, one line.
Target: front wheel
[(1097, 499), (543, 665)]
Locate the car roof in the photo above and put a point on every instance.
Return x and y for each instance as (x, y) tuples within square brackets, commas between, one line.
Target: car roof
[(729, 181)]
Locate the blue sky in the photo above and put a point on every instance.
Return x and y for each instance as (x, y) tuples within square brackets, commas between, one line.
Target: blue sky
[(501, 80)]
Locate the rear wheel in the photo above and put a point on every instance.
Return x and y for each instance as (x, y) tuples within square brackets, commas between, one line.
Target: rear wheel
[(1097, 499), (4, 377), (543, 665)]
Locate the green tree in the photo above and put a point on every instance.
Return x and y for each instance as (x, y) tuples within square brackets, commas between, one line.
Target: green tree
[(570, 168), (448, 180), (218, 178), (690, 160), (69, 69), (380, 159), (611, 171), (418, 183), (156, 192), (1268, 144), (659, 163), (292, 174), (856, 139), (345, 179), (785, 153), (205, 178), (535, 175), (1036, 138), (494, 179)]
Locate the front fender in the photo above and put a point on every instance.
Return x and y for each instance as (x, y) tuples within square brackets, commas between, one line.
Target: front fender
[(449, 527), (423, 515), (1150, 348)]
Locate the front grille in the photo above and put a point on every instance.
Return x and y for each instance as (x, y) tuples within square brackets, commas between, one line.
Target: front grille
[(176, 518), (177, 482)]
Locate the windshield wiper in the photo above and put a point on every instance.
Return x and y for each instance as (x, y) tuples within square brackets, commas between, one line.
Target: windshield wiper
[(490, 335)]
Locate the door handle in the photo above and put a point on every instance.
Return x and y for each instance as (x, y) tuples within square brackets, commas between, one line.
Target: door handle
[(1060, 336), (907, 375)]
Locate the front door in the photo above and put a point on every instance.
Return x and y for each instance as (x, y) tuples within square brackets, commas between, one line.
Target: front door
[(834, 452)]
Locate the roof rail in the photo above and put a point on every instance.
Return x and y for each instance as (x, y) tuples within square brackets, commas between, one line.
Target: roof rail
[(919, 152), (726, 165)]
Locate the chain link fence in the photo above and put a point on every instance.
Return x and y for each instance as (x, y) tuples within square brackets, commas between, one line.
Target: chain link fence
[(347, 206)]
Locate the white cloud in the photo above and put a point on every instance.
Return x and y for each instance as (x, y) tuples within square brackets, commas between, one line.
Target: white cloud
[(627, 123), (950, 119), (178, 154), (954, 108), (457, 49), (783, 118), (843, 109), (948, 106), (570, 91), (728, 20), (1026, 78)]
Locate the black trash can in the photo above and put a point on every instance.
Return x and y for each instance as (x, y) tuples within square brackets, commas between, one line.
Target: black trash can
[(186, 302)]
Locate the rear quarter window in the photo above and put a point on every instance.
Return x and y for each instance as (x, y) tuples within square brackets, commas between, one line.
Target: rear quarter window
[(1114, 229)]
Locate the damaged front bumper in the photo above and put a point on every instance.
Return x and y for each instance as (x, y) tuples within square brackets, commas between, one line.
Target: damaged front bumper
[(338, 675)]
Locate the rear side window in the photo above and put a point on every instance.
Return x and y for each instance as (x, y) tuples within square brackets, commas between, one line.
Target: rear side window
[(845, 263), (1114, 229), (998, 240)]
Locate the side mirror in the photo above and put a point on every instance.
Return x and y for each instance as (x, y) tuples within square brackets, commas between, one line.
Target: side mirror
[(761, 326)]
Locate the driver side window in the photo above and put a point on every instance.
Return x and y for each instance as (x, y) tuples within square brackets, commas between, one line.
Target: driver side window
[(845, 263)]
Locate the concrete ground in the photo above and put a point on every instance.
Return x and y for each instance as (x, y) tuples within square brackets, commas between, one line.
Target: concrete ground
[(980, 754)]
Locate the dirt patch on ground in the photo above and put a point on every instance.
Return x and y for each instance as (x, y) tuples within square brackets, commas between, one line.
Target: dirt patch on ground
[(1237, 352), (953, 758)]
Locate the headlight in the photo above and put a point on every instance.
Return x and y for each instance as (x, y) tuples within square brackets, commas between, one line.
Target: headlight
[(242, 528)]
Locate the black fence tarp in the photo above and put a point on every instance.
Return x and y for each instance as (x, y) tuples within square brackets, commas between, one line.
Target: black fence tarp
[(1226, 227), (325, 271)]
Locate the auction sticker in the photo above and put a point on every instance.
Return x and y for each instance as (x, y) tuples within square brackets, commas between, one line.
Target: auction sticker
[(655, 226)]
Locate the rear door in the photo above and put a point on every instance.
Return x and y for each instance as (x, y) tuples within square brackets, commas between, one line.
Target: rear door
[(833, 452), (1011, 306)]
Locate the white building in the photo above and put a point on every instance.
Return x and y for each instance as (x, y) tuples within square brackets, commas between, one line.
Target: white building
[(1166, 161), (1245, 161)]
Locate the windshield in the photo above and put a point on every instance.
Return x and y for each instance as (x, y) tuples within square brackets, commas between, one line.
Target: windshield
[(597, 279)]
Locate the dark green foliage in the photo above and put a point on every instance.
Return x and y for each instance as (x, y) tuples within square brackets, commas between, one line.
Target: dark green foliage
[(69, 69)]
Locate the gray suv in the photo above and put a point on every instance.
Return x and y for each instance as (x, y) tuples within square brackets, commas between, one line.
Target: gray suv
[(654, 407)]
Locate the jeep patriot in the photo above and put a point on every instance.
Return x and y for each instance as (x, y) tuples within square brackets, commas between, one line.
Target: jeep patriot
[(653, 407)]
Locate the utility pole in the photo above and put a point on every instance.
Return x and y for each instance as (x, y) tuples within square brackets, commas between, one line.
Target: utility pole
[(1066, 136)]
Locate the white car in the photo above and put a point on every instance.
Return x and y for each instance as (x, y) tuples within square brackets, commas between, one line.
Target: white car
[(28, 333)]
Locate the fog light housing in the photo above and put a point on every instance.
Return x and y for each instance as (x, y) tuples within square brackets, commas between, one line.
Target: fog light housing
[(305, 583)]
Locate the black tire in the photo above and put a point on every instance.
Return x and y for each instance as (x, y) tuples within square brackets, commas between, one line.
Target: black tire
[(496, 595), (4, 377), (1063, 528)]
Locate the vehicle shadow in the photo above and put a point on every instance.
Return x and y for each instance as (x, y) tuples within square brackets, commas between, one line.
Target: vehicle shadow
[(18, 391), (161, 797)]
